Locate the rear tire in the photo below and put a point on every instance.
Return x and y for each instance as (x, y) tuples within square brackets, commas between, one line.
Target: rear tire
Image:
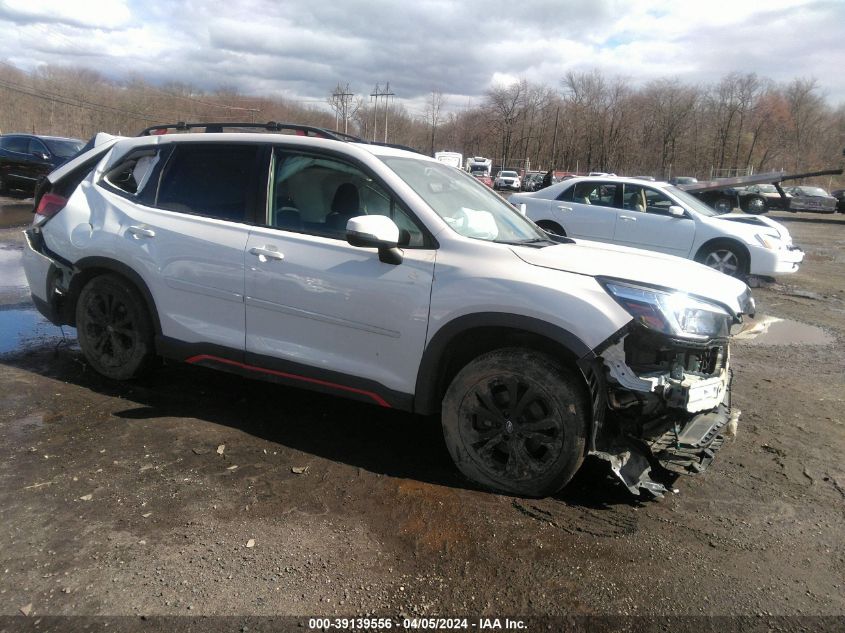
[(723, 205), (515, 420), (551, 227), (114, 328)]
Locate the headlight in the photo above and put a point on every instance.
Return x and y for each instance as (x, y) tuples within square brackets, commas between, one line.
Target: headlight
[(672, 313)]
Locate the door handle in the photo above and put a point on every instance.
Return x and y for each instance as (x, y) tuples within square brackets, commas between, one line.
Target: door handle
[(266, 252), (564, 208), (139, 231), (628, 217)]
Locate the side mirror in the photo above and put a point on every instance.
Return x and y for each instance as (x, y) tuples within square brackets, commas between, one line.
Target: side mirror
[(375, 231), (41, 155), (676, 211)]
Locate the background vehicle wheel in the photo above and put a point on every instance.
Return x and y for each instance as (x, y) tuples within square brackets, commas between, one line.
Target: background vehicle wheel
[(551, 227), (515, 420), (725, 257), (723, 205), (756, 205), (114, 328)]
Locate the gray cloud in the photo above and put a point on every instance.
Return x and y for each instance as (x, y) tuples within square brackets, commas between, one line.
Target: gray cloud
[(303, 49)]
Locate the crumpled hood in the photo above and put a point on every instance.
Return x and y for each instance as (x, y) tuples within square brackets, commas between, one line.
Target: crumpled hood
[(759, 223), (598, 259)]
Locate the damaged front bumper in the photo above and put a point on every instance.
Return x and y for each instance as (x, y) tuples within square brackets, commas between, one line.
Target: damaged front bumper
[(662, 407)]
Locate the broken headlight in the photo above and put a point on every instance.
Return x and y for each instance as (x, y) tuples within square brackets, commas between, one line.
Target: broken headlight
[(672, 313)]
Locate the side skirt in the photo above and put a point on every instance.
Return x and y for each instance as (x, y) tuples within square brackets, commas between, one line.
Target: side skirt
[(283, 372)]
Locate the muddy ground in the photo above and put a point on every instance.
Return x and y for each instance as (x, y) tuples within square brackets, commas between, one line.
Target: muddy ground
[(116, 498)]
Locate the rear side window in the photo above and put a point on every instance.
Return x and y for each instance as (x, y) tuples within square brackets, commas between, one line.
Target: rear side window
[(211, 179), (19, 144)]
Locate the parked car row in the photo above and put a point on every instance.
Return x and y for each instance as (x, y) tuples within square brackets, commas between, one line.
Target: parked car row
[(382, 275)]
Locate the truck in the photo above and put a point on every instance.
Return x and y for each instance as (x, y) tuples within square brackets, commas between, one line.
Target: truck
[(453, 159), (479, 166)]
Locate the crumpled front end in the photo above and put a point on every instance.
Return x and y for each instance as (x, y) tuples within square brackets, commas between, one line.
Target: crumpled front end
[(662, 405)]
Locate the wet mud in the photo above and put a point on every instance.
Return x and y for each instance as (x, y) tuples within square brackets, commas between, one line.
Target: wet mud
[(143, 497)]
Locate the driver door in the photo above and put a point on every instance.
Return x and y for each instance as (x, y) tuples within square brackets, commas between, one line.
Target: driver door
[(313, 300), (645, 222)]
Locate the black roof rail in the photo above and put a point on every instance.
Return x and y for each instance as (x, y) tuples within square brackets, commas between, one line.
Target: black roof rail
[(270, 126)]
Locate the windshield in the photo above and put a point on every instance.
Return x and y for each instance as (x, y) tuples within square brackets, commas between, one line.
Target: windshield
[(507, 174), (468, 207), (767, 189), (811, 191), (694, 203), (63, 149)]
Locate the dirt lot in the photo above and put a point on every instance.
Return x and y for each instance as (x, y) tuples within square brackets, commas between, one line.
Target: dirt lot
[(195, 492)]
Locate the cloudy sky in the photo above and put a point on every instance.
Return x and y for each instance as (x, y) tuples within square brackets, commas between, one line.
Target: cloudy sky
[(302, 49)]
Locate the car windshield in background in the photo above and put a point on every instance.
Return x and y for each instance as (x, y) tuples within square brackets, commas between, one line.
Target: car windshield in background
[(467, 206), (508, 174), (767, 189), (691, 201), (811, 191), (63, 149)]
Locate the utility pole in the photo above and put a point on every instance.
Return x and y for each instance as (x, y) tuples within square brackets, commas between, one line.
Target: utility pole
[(387, 94), (554, 139), (340, 102), (374, 95)]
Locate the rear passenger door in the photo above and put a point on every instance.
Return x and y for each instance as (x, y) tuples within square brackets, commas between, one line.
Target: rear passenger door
[(588, 210), (183, 220), (325, 312)]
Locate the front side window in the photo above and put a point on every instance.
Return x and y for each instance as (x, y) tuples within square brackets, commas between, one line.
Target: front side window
[(217, 180), (468, 207), (318, 195), (646, 200), (37, 146)]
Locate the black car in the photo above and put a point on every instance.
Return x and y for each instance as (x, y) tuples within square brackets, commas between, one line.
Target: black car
[(26, 157)]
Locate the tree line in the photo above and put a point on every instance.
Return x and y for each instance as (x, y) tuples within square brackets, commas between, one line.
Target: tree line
[(740, 124)]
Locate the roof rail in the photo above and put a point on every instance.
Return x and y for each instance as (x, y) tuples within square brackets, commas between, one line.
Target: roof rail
[(270, 126)]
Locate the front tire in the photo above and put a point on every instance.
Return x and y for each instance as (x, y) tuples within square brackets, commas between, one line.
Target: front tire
[(515, 420), (756, 205), (114, 328), (725, 257)]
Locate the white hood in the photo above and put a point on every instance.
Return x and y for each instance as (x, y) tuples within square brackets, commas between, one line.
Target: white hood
[(756, 224), (598, 259)]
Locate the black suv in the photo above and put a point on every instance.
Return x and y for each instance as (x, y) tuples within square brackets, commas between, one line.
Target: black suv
[(26, 157)]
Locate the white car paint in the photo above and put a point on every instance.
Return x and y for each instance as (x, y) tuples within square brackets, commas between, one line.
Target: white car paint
[(683, 236), (328, 304)]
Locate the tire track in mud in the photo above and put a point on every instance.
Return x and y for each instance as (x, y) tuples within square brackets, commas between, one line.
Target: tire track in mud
[(603, 523)]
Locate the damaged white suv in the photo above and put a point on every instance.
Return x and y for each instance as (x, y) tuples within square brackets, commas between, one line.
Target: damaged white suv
[(382, 275)]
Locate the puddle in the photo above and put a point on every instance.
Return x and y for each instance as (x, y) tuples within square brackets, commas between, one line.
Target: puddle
[(13, 285), (770, 330), (26, 328)]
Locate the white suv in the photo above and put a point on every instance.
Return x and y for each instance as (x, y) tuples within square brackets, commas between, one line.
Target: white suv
[(382, 275), (507, 180)]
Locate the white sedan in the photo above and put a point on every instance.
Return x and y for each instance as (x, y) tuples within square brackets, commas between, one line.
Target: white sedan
[(660, 217)]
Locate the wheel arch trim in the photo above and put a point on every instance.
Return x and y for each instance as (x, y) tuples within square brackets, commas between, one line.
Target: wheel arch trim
[(429, 375), (104, 263)]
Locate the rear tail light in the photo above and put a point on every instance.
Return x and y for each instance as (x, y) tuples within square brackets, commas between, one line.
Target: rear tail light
[(49, 205)]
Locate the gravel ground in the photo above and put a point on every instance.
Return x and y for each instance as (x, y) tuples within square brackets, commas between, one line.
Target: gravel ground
[(200, 493)]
